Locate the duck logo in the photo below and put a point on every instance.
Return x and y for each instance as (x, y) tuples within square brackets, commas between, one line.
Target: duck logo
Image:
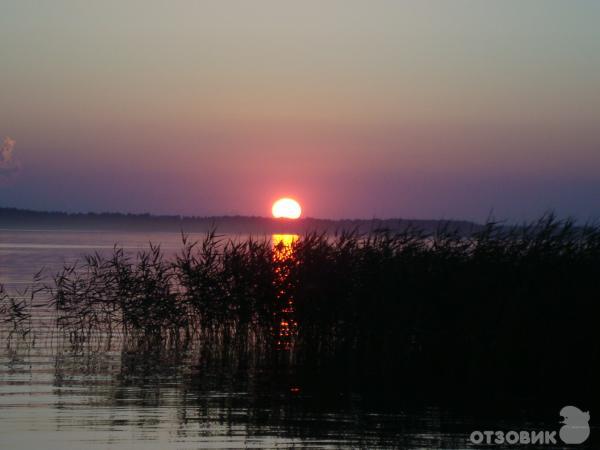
[(576, 428)]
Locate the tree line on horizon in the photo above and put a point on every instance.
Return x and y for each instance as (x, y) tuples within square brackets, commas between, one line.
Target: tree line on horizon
[(14, 217)]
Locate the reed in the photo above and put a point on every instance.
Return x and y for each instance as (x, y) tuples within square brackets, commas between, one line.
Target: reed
[(512, 309), (16, 309)]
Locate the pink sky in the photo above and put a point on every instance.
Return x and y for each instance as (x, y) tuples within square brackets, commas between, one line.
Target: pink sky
[(410, 109)]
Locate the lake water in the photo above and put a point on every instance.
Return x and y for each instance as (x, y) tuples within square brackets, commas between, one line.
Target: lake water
[(54, 395)]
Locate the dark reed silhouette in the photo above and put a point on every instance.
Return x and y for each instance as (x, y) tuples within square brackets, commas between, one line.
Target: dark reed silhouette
[(504, 311)]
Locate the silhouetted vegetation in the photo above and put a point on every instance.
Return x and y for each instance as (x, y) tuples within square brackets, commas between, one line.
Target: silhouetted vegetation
[(23, 219), (16, 309), (504, 310)]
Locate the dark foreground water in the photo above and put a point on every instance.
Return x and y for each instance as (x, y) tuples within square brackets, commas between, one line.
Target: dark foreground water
[(55, 394)]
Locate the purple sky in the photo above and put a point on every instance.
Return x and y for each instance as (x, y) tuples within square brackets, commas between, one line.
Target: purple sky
[(421, 109)]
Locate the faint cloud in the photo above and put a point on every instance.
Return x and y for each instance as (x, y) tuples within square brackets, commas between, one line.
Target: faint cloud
[(8, 163)]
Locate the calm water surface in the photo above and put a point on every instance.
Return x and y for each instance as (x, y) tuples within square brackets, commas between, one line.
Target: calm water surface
[(107, 395)]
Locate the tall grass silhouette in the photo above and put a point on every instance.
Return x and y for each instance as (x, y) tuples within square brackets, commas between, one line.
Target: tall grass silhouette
[(507, 309)]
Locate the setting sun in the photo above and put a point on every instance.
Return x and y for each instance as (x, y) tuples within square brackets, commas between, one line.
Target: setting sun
[(286, 208)]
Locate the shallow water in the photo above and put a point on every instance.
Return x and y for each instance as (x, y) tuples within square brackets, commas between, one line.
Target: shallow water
[(54, 395)]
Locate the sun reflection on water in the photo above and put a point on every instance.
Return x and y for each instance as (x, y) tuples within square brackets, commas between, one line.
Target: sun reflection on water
[(283, 254)]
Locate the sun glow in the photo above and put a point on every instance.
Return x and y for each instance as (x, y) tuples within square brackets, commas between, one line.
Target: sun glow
[(284, 240), (286, 208)]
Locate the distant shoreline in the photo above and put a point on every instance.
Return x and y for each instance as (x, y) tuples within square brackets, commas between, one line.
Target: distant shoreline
[(14, 218)]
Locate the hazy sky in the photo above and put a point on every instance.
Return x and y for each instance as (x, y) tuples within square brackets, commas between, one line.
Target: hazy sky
[(423, 109)]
